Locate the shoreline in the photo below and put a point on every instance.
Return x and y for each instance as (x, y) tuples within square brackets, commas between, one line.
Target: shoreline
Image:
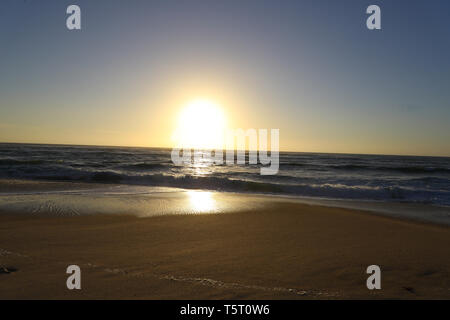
[(67, 197)]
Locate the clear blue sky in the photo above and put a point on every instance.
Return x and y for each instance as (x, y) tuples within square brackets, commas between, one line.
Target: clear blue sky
[(310, 68)]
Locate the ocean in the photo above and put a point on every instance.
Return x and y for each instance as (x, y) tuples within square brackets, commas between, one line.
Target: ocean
[(387, 178)]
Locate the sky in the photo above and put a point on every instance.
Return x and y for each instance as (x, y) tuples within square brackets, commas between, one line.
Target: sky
[(309, 68)]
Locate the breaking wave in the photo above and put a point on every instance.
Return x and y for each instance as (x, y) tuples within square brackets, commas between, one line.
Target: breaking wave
[(388, 178)]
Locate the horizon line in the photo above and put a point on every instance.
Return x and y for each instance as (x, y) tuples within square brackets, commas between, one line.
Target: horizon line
[(284, 151)]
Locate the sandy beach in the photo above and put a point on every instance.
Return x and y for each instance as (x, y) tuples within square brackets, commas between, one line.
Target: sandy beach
[(282, 250)]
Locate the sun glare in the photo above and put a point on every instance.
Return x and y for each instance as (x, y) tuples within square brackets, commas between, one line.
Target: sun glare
[(201, 125), (201, 201)]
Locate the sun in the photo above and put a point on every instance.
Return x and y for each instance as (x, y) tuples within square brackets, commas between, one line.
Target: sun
[(201, 125)]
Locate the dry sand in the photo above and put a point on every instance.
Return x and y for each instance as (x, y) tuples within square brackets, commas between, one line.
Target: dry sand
[(287, 250)]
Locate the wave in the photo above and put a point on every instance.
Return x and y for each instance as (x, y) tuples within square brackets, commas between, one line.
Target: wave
[(404, 169), (223, 183), (424, 179), (14, 162), (147, 166)]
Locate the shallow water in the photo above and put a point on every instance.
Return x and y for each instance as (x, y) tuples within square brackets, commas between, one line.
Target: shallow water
[(73, 199), (121, 199)]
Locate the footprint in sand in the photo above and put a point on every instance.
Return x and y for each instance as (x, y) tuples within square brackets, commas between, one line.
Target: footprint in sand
[(410, 289), (7, 270)]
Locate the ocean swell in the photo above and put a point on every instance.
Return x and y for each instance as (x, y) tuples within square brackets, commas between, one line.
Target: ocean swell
[(386, 178)]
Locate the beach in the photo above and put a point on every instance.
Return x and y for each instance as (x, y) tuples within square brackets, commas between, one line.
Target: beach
[(225, 150), (277, 250)]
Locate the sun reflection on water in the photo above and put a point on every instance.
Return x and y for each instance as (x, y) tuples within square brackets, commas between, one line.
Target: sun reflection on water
[(202, 201)]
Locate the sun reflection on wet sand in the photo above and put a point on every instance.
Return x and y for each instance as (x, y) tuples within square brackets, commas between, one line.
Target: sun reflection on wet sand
[(202, 201)]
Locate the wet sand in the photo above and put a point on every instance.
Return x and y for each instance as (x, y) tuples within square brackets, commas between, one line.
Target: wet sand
[(281, 251)]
